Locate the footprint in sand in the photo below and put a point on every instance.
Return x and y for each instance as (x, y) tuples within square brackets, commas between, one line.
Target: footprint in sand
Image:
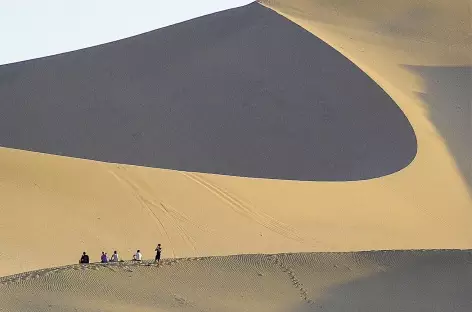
[(181, 300)]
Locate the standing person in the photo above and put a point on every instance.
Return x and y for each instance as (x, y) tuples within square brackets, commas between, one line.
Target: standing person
[(85, 258), (104, 257), (158, 253), (138, 256), (114, 257)]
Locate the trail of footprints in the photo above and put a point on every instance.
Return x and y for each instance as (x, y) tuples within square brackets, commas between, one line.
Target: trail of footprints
[(293, 278)]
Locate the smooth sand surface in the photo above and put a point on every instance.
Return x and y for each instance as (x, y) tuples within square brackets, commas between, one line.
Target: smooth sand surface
[(435, 281), (54, 207)]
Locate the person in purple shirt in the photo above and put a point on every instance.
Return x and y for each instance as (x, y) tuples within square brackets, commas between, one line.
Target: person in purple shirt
[(104, 257)]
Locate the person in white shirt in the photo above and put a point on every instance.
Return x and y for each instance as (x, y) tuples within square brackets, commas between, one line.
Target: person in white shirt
[(114, 257), (138, 256)]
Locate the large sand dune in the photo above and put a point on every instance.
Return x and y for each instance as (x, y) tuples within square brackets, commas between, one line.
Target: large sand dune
[(243, 92), (435, 281), (415, 95)]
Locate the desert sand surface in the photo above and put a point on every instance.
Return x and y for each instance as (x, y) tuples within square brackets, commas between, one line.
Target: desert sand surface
[(435, 281), (66, 190)]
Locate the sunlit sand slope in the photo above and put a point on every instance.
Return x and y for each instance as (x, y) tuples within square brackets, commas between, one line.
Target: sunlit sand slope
[(435, 281)]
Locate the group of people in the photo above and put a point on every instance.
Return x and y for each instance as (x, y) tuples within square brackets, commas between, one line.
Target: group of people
[(115, 258)]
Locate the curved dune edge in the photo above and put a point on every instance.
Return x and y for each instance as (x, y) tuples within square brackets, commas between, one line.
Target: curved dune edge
[(407, 57), (244, 92), (79, 204), (364, 281)]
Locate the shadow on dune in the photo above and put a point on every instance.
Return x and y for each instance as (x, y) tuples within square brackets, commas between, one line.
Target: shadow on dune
[(448, 94), (430, 282), (243, 92)]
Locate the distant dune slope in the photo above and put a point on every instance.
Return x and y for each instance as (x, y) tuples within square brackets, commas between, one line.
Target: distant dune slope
[(413, 281), (242, 92), (53, 207)]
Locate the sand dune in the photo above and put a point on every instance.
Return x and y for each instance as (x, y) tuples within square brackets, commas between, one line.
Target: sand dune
[(366, 281), (419, 52), (55, 205), (243, 92), (354, 137)]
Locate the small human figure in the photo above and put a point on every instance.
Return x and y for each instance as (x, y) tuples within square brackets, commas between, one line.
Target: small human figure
[(104, 257), (137, 256), (158, 253), (114, 257), (85, 258)]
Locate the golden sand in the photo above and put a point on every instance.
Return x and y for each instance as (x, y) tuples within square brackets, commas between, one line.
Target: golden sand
[(53, 207)]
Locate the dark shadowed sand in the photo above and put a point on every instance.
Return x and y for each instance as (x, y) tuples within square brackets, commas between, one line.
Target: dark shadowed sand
[(242, 92)]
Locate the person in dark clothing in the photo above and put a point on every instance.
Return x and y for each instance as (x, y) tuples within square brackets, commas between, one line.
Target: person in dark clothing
[(158, 253), (84, 258)]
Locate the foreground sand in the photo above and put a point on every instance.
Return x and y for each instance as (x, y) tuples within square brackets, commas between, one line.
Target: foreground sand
[(434, 281), (50, 203), (52, 207)]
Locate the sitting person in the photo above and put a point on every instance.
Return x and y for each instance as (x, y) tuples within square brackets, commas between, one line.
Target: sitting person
[(104, 258), (114, 257), (84, 258), (137, 256)]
